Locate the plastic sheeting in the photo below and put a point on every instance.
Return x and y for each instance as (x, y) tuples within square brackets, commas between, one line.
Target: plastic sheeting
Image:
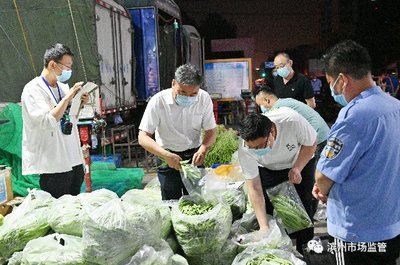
[(42, 23)]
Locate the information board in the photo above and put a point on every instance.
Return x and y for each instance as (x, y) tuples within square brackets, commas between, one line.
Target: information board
[(228, 77)]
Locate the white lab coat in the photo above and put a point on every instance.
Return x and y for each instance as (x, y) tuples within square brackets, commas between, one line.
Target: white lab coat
[(45, 149)]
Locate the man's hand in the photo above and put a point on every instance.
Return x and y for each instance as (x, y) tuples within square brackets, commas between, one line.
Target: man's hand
[(71, 93), (294, 175), (173, 161), (318, 195), (199, 156), (85, 98)]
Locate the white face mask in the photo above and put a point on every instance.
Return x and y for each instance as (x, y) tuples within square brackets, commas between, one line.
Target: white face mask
[(65, 75), (184, 101), (338, 98)]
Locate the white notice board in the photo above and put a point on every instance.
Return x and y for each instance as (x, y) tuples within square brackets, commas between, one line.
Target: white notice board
[(228, 77)]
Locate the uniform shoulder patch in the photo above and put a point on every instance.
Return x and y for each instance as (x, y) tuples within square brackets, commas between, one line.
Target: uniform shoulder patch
[(333, 147)]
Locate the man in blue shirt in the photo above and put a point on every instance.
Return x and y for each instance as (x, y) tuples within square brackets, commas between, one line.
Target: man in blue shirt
[(358, 172)]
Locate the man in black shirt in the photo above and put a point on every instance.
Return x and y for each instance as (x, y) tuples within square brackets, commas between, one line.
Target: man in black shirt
[(290, 84)]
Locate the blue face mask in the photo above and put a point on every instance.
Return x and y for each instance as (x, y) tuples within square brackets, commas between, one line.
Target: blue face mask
[(65, 75), (262, 151), (184, 101), (283, 72), (338, 98), (264, 109)]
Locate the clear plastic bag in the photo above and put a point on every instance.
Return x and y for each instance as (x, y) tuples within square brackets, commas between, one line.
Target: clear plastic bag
[(254, 254), (193, 178), (151, 198), (205, 229), (66, 216), (116, 230), (53, 249), (158, 253), (273, 238), (288, 207), (320, 214), (26, 222)]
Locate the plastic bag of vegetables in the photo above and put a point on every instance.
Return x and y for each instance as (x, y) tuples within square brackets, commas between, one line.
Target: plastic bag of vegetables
[(52, 249), (259, 255), (201, 226), (274, 237), (26, 222), (66, 215), (116, 230), (157, 254), (225, 256), (92, 200), (151, 198), (288, 207), (193, 178), (154, 185)]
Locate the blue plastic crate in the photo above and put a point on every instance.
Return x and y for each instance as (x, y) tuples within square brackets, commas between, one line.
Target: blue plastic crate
[(116, 159)]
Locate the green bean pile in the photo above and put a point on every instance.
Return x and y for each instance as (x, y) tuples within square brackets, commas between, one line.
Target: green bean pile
[(225, 145), (190, 208)]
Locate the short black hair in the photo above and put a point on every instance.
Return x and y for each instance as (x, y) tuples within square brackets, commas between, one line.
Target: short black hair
[(255, 126), (264, 89), (55, 52), (347, 57)]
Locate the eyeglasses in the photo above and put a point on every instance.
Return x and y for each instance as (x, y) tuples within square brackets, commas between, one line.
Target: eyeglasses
[(258, 147), (68, 67)]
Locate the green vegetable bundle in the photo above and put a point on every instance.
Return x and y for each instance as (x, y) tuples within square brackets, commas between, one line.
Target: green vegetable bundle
[(270, 258), (28, 221), (293, 215), (201, 227), (288, 207), (225, 145)]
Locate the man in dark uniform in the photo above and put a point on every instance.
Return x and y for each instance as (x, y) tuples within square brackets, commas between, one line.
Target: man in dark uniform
[(290, 84)]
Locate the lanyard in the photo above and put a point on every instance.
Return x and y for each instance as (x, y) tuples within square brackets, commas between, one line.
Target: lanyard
[(51, 91)]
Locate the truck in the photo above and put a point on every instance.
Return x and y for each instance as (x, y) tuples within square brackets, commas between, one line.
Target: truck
[(99, 32)]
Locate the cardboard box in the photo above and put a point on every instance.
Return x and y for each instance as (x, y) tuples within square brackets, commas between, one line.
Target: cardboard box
[(6, 193)]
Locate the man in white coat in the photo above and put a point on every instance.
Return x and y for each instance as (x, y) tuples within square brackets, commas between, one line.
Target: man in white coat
[(50, 141)]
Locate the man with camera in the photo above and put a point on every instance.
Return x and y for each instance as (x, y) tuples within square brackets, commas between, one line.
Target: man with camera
[(50, 139)]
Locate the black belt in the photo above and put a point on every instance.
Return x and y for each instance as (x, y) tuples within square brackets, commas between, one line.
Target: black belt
[(187, 154)]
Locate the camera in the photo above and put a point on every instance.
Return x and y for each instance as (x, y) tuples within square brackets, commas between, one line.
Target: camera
[(66, 124)]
